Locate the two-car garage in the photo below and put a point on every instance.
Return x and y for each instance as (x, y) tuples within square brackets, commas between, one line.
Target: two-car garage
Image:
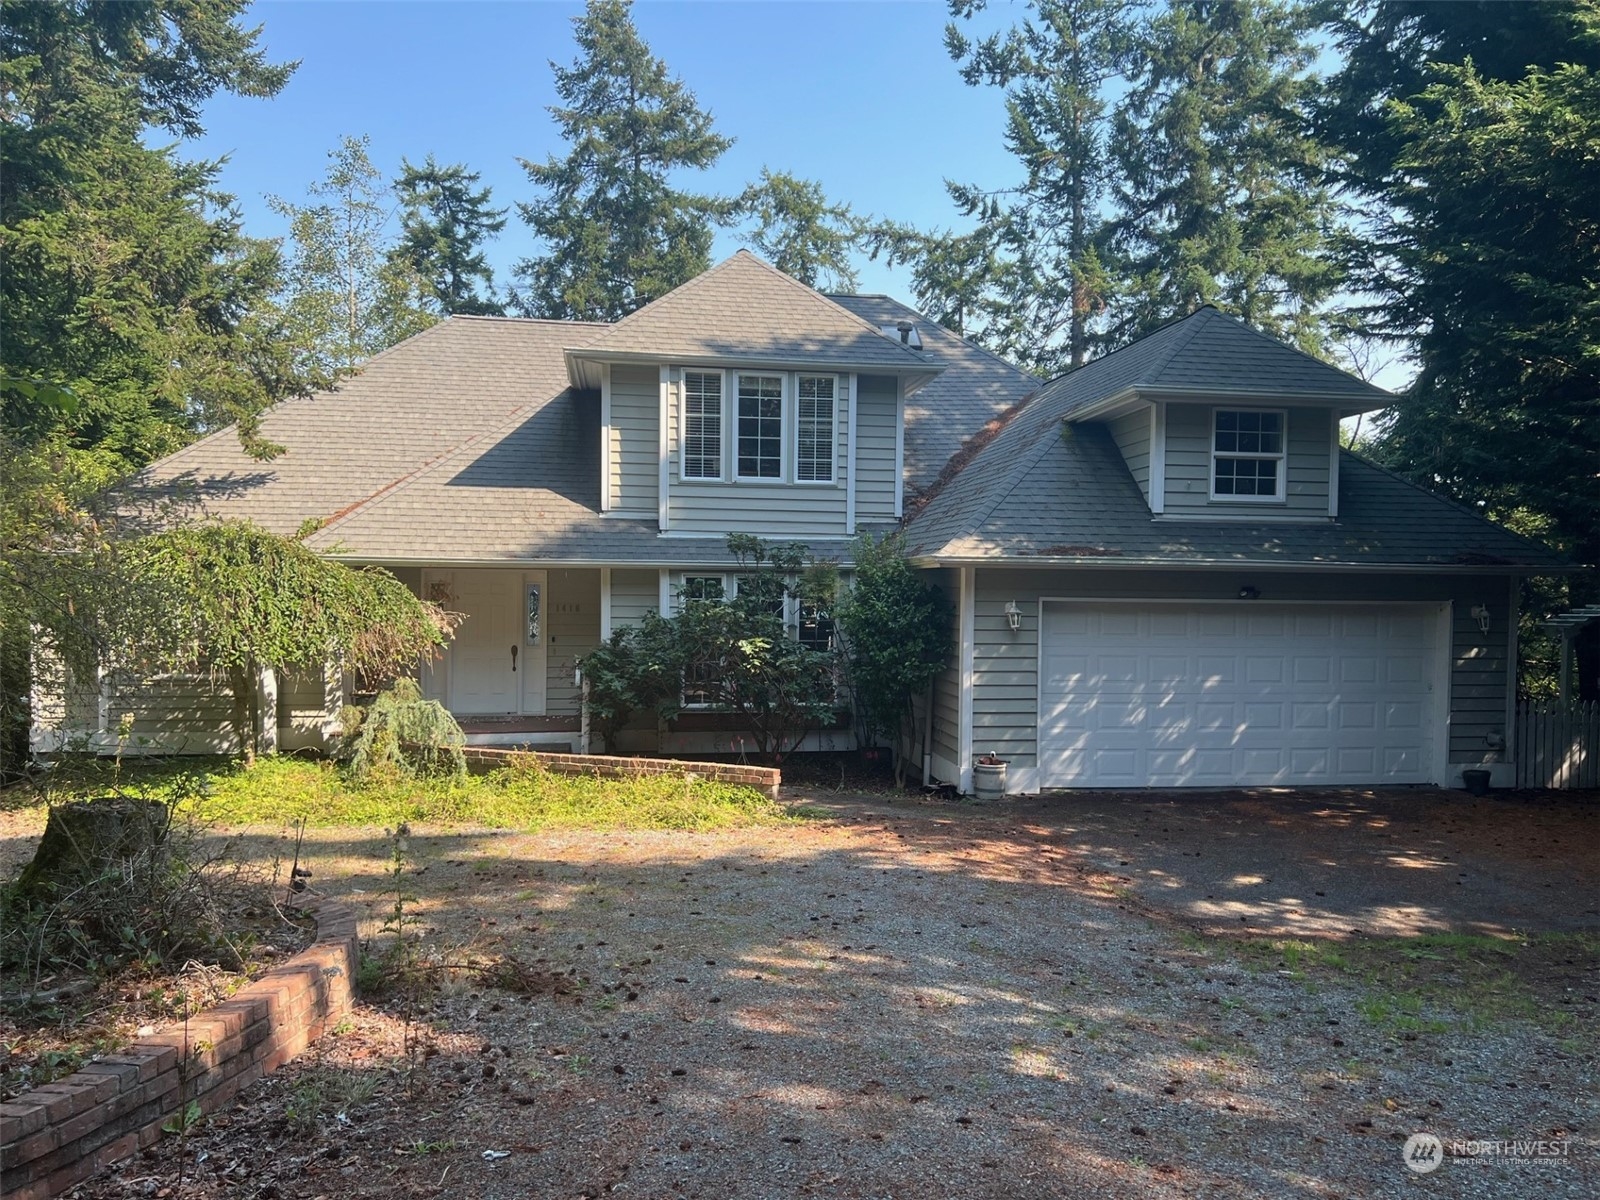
[(1241, 693)]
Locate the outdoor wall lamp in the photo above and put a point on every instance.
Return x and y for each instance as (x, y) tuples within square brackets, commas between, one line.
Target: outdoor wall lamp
[(1480, 614), (1013, 616), (1249, 592)]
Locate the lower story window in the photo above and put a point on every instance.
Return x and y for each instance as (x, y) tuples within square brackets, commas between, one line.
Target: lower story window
[(699, 684), (704, 587)]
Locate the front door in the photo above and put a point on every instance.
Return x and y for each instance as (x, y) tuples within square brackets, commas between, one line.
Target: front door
[(486, 670)]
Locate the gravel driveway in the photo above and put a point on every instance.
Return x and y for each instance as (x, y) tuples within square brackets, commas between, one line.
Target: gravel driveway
[(899, 1000), (1325, 863)]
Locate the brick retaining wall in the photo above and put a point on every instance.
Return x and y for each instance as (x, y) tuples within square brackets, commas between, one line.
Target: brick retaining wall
[(765, 779), (59, 1134)]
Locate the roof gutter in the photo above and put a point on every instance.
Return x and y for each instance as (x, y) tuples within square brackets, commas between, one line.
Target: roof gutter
[(1039, 562), (579, 361), (541, 564)]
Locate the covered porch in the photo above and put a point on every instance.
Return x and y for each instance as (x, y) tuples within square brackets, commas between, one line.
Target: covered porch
[(510, 674)]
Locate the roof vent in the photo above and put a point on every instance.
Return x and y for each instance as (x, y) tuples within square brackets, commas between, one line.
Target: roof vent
[(905, 333)]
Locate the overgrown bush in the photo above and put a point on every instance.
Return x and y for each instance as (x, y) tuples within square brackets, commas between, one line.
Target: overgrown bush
[(402, 733), (622, 676), (897, 634)]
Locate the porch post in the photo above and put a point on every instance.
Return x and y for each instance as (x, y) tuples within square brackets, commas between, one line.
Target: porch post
[(583, 717)]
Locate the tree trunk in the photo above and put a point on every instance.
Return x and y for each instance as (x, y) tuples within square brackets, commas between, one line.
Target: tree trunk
[(242, 682), (86, 837)]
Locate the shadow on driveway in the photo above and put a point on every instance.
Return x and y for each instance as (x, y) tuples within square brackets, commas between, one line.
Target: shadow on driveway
[(1321, 863)]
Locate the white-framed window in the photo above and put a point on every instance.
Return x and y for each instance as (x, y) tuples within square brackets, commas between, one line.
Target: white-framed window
[(701, 441), (1247, 453), (758, 441), (705, 587), (815, 397)]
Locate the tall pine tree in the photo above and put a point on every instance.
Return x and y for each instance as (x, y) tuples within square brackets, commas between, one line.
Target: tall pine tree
[(1219, 199), (445, 219), (1056, 69), (1467, 132), (136, 311), (348, 296), (801, 233), (615, 231)]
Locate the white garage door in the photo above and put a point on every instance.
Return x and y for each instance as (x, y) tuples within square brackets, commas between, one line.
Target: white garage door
[(1237, 694)]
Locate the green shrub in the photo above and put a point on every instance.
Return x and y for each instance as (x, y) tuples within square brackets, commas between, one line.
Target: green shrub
[(401, 733)]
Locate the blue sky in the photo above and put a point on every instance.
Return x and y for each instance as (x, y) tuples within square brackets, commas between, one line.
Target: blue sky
[(860, 96)]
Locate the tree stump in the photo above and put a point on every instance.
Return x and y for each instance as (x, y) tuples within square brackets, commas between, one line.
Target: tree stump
[(81, 839)]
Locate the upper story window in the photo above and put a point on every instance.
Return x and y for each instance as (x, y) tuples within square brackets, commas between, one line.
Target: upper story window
[(782, 427), (702, 425), (1247, 454), (759, 445), (813, 461)]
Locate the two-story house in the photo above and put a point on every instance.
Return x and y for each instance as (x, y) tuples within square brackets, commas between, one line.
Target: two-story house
[(1165, 571)]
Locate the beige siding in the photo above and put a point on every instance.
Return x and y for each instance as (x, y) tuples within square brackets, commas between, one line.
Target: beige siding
[(171, 714), (307, 703), (1005, 664), (635, 441), (947, 686), (633, 593), (1131, 432), (776, 509), (573, 629), (877, 401), (65, 704), (1188, 465)]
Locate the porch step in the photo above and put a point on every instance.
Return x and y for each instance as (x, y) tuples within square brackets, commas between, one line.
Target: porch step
[(558, 741)]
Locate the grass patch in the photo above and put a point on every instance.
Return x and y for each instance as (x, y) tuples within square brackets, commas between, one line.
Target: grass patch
[(1437, 982), (520, 796)]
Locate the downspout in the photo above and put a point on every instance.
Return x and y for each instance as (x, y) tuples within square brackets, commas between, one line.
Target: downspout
[(927, 739)]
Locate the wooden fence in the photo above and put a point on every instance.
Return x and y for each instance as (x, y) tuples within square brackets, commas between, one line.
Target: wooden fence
[(1558, 746)]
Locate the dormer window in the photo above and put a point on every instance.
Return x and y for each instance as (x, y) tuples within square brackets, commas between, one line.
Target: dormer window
[(1247, 455), (702, 425), (760, 437), (813, 459)]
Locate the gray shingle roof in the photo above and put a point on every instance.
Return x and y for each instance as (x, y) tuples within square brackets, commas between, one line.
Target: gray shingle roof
[(465, 443), (977, 387), (1044, 489), (1210, 353), (527, 489), (409, 406), (744, 309)]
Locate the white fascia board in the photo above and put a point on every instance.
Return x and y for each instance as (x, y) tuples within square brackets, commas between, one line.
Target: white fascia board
[(1158, 459), (1041, 562), (1267, 397)]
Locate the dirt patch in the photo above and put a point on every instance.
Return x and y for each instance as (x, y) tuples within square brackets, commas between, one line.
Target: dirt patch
[(898, 1000)]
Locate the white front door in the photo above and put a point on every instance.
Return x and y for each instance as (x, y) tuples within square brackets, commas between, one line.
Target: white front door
[(484, 657), (1229, 695)]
